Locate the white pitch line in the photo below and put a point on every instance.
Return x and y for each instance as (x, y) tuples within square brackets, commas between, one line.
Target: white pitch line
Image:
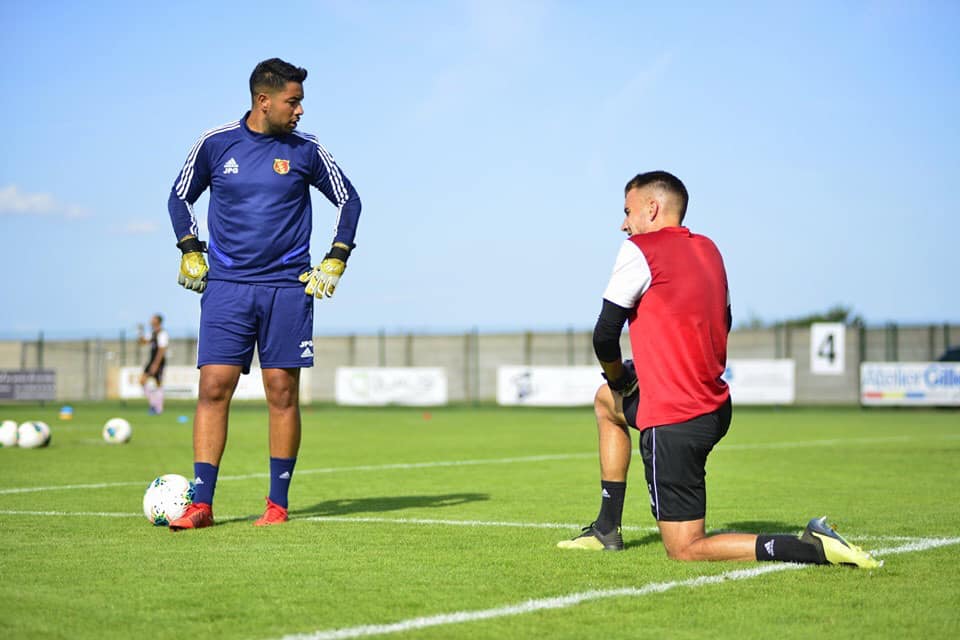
[(465, 463), (573, 599), (61, 514), (462, 523), (922, 544), (572, 527), (67, 487), (811, 443), (300, 472), (541, 525), (529, 606), (359, 520)]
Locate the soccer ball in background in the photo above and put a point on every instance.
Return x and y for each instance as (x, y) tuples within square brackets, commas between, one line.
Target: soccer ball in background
[(34, 434), (167, 498), (8, 434), (117, 431)]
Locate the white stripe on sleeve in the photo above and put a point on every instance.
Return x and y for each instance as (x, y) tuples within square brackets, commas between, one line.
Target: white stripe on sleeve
[(631, 277), (333, 171), (186, 174), (193, 219)]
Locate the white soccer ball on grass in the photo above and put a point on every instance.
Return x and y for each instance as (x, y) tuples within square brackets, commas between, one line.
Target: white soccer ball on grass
[(117, 431), (167, 498), (33, 434), (8, 433)]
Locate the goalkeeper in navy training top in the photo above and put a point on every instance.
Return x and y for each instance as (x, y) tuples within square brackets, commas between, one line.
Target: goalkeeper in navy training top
[(259, 170)]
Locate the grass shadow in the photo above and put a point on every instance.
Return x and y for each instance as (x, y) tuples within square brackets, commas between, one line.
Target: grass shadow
[(648, 538), (760, 526), (381, 504)]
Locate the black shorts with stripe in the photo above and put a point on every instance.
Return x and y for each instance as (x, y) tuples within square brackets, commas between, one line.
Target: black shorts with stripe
[(675, 460), (159, 376)]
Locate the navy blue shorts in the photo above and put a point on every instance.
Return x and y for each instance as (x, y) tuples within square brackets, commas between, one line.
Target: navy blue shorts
[(234, 316)]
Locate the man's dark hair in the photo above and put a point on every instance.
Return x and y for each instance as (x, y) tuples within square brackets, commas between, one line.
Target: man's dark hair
[(158, 317), (273, 75), (661, 180)]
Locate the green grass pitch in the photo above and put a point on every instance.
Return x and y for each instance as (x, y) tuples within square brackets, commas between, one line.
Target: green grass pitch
[(444, 524)]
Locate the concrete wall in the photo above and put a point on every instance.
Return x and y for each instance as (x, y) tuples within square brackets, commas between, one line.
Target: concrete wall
[(471, 359)]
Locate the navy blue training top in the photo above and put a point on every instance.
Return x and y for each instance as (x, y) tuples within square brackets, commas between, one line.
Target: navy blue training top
[(260, 216)]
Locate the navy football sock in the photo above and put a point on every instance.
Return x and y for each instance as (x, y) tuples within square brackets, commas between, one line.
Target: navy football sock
[(281, 470), (204, 482), (611, 505)]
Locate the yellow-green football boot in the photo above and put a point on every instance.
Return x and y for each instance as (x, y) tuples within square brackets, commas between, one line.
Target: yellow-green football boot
[(590, 539), (833, 549)]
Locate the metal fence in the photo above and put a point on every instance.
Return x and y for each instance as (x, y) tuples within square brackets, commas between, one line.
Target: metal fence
[(84, 367)]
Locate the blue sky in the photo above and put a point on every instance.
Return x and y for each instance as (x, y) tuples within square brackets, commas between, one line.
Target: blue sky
[(490, 142)]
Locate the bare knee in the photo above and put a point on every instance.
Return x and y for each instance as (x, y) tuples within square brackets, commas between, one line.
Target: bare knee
[(604, 405), (682, 541), (682, 554), (282, 391), (216, 388), (282, 398)]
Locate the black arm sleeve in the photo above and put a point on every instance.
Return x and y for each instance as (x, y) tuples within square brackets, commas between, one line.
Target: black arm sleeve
[(606, 333)]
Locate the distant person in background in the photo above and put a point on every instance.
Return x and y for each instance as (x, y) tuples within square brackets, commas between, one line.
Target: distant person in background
[(259, 170), (159, 342), (671, 286)]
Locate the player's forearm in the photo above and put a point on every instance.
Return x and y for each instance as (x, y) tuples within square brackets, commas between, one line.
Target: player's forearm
[(349, 218), (180, 217), (606, 337), (612, 370)]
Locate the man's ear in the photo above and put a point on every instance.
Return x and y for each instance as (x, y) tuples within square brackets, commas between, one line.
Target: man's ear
[(653, 210)]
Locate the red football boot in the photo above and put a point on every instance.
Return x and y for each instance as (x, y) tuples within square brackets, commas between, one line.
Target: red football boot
[(275, 514), (197, 516)]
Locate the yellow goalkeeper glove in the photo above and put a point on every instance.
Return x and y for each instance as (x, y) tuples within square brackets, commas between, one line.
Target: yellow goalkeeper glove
[(193, 268), (322, 280)]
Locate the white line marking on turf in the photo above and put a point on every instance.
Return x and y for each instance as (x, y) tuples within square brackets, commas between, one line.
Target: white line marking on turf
[(572, 527), (465, 463), (67, 487), (918, 545), (573, 599), (810, 443), (300, 472), (462, 523), (86, 514), (559, 602)]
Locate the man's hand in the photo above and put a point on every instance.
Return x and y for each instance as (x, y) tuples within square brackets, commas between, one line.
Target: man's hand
[(626, 384), (193, 268), (322, 280)]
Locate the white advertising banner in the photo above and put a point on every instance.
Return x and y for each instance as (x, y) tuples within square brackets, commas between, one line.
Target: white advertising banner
[(761, 381), (548, 386), (184, 382), (751, 382), (178, 382), (379, 386), (910, 383), (828, 348)]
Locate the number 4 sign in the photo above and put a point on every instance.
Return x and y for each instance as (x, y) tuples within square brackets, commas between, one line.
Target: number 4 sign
[(827, 348)]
